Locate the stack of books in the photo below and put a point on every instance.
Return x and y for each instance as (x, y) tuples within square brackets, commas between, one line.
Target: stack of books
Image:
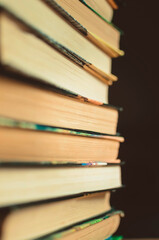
[(58, 133)]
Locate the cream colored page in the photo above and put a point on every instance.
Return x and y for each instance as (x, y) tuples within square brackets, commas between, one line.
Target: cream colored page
[(27, 53), (42, 17), (102, 7)]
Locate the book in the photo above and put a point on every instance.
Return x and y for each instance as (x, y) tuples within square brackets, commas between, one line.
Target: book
[(22, 183), (51, 216), (100, 32), (26, 98), (49, 63), (98, 228), (26, 141), (102, 8)]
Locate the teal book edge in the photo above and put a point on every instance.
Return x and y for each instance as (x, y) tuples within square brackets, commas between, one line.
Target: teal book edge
[(115, 238), (30, 126), (13, 123), (104, 19)]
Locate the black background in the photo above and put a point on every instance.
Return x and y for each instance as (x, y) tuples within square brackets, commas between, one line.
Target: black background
[(138, 92)]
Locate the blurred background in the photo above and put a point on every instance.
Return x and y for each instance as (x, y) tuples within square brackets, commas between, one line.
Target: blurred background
[(138, 92)]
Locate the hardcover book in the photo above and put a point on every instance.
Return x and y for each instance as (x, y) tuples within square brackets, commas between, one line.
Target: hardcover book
[(23, 97), (27, 141), (52, 216)]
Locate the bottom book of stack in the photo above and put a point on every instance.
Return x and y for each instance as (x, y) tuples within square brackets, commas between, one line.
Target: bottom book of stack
[(87, 216)]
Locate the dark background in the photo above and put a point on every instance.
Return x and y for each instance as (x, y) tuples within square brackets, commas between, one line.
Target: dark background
[(138, 92)]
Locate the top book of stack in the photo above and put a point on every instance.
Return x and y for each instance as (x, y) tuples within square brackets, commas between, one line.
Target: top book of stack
[(47, 23)]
